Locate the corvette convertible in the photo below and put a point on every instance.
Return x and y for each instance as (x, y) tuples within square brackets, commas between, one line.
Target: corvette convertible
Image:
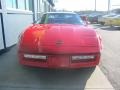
[(59, 40)]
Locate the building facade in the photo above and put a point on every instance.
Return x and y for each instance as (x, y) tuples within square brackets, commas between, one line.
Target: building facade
[(16, 15)]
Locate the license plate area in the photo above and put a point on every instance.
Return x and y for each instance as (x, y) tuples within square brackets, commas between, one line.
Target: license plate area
[(59, 61)]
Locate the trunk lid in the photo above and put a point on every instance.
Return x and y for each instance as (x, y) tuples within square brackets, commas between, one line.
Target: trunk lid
[(68, 35)]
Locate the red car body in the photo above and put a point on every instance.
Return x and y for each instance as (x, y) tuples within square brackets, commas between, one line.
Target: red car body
[(55, 46)]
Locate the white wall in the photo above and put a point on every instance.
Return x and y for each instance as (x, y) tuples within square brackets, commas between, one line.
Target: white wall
[(14, 24)]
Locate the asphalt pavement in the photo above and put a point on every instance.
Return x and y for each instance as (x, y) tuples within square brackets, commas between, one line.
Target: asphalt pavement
[(14, 76), (110, 61)]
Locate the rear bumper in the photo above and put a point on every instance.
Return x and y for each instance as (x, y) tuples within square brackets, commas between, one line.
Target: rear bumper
[(58, 61)]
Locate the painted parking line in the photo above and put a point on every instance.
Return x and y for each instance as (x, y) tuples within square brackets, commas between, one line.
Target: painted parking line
[(98, 81)]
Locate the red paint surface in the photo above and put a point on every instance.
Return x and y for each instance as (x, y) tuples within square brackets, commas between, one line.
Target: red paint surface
[(59, 42)]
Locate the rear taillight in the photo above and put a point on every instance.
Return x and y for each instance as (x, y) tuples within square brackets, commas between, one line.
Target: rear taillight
[(33, 56), (83, 57)]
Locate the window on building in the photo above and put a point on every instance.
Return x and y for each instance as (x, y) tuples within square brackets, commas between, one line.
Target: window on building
[(38, 9), (0, 4), (21, 4), (18, 4), (31, 5), (45, 7), (11, 3), (37, 5), (27, 4)]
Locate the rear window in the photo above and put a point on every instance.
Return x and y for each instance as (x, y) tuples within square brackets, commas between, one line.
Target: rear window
[(61, 18)]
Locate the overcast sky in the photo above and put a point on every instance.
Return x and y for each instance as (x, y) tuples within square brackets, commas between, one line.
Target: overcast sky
[(102, 5)]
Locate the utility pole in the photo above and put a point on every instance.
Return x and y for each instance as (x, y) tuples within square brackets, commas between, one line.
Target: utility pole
[(109, 6), (95, 5)]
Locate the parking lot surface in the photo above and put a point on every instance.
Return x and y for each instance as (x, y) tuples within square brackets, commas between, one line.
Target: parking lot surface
[(13, 76), (110, 60)]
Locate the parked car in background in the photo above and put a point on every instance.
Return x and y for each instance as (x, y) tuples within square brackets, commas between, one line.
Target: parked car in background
[(113, 21), (93, 18), (60, 40), (104, 18), (85, 19)]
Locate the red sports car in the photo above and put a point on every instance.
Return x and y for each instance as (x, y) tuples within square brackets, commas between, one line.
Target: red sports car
[(59, 40)]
